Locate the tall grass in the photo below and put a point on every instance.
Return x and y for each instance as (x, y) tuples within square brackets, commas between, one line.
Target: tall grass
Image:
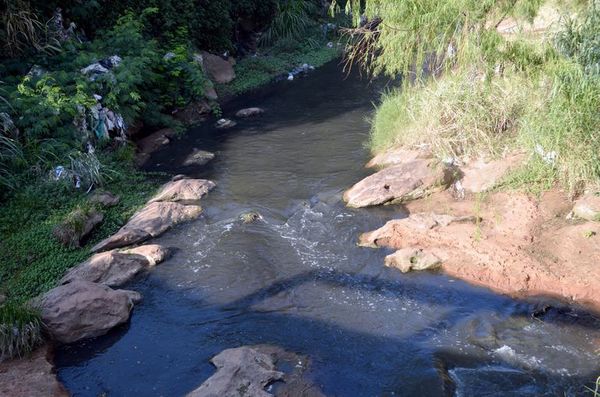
[(291, 22), (20, 330)]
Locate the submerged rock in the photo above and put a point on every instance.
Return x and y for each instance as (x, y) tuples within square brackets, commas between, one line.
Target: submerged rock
[(242, 371), (400, 183), (250, 217), (588, 207), (151, 221), (249, 112), (198, 158), (82, 309), (33, 375), (225, 123), (408, 259), (184, 191)]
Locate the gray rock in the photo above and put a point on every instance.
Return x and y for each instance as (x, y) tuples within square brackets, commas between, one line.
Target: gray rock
[(109, 268), (588, 207), (249, 112), (198, 158), (106, 199), (218, 69), (81, 310), (242, 371), (225, 123), (184, 191), (154, 253)]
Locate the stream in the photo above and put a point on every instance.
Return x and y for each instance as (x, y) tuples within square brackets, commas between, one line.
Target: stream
[(296, 278)]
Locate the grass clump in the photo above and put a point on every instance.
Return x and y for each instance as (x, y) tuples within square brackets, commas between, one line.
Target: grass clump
[(20, 330)]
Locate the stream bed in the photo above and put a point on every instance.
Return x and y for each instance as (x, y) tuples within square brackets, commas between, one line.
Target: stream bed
[(296, 278)]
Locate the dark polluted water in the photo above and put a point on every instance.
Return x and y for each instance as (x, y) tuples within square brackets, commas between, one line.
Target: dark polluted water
[(296, 278)]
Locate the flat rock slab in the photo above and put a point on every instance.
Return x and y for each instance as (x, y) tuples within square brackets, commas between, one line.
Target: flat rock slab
[(401, 183), (242, 371), (481, 176), (30, 376), (588, 207), (249, 112), (151, 221), (411, 258), (108, 268), (82, 309), (188, 191)]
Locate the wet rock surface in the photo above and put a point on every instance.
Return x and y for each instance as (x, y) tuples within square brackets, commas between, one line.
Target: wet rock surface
[(108, 268), (401, 183), (198, 158), (249, 112), (82, 309), (184, 191), (31, 376), (154, 253), (253, 371)]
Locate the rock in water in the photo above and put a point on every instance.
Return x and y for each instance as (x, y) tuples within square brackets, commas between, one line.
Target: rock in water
[(154, 253), (401, 183), (151, 221), (218, 69), (242, 371), (225, 123), (249, 112), (81, 310), (408, 259), (184, 191), (109, 268), (198, 158), (29, 376)]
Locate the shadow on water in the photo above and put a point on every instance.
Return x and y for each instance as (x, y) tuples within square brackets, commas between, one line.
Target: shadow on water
[(296, 279)]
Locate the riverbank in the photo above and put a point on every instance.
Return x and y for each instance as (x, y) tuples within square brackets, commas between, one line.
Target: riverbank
[(511, 241)]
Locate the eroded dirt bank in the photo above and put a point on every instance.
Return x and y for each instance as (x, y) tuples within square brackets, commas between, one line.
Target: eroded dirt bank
[(511, 242)]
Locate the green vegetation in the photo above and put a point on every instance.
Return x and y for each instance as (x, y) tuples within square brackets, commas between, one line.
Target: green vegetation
[(20, 330), (483, 92), (74, 83)]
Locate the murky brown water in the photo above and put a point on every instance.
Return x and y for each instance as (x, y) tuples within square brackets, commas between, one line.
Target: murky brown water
[(296, 279)]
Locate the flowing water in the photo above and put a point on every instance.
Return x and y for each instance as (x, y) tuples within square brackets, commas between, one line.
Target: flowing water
[(296, 278)]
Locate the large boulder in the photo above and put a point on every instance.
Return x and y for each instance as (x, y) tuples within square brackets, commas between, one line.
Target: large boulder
[(588, 207), (242, 371), (109, 268), (156, 140), (412, 258), (218, 69), (153, 253), (82, 309), (29, 376), (185, 191), (151, 221), (401, 183)]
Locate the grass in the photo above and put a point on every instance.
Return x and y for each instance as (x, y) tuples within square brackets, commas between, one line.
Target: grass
[(254, 72), (31, 258), (20, 330)]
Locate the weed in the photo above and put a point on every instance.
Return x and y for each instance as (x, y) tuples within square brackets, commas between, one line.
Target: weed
[(20, 330)]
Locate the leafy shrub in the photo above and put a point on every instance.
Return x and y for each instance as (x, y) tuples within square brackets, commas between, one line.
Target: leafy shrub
[(20, 330), (291, 22)]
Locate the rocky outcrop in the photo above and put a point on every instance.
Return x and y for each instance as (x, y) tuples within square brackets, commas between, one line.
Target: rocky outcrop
[(400, 183), (412, 258), (243, 371), (219, 70), (249, 112), (184, 191), (109, 268), (105, 199), (588, 207), (77, 226), (29, 376), (198, 158), (480, 176), (82, 309)]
